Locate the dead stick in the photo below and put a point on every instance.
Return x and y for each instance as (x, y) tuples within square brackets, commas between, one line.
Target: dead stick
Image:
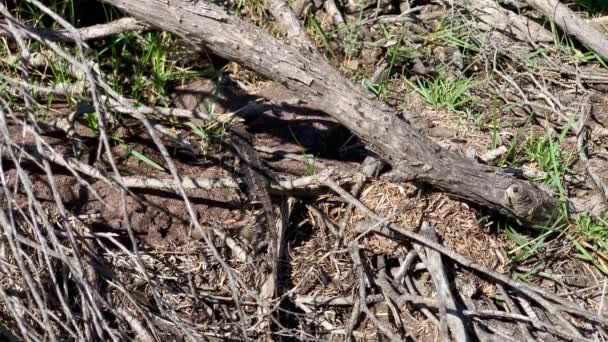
[(335, 301), (86, 33), (431, 303), (358, 268), (434, 264), (511, 305)]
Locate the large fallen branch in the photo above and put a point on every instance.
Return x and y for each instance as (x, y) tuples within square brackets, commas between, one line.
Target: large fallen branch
[(307, 73)]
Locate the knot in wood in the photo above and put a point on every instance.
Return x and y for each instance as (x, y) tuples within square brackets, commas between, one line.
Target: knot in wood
[(531, 203), (518, 198)]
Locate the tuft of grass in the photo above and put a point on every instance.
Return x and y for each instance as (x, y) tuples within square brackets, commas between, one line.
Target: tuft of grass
[(544, 152), (530, 242), (443, 93), (590, 239), (141, 66), (587, 236), (319, 35), (460, 36)]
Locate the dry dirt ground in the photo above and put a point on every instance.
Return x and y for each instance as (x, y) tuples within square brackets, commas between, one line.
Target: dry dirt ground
[(163, 230)]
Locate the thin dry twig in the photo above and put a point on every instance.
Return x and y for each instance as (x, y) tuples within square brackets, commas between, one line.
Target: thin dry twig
[(358, 268), (86, 33), (522, 327)]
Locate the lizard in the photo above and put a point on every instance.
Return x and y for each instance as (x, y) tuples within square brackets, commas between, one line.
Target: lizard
[(256, 177), (257, 180)]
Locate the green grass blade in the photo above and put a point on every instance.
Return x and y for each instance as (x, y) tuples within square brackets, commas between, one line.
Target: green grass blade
[(145, 159)]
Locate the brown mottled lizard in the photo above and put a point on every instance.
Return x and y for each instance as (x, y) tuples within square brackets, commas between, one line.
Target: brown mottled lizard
[(256, 176)]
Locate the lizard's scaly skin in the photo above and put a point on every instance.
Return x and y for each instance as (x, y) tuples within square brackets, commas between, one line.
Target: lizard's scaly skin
[(255, 176)]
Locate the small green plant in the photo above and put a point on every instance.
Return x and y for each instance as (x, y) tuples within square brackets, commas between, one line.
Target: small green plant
[(495, 128), (587, 235), (442, 93), (92, 122), (532, 240), (208, 133), (526, 247), (525, 276), (320, 34), (137, 154), (591, 241), (516, 144), (474, 116), (593, 229), (144, 158), (546, 153), (111, 13), (380, 89), (398, 54), (220, 80), (162, 69), (309, 164), (310, 169)]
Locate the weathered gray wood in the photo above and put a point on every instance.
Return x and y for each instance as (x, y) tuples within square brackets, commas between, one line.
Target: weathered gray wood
[(434, 264), (87, 33), (306, 72)]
